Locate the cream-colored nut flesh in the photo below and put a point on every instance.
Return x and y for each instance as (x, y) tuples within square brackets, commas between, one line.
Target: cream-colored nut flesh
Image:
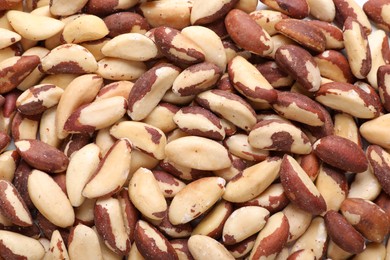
[(131, 46), (84, 243), (49, 199), (66, 8), (196, 198), (21, 246), (80, 91), (69, 58), (8, 38), (145, 137), (250, 184), (146, 195), (120, 69), (112, 171), (34, 27), (84, 28), (82, 166), (375, 131), (57, 249), (198, 153), (204, 247)]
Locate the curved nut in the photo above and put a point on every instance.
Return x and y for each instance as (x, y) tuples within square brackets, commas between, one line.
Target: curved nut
[(112, 171), (125, 22), (198, 153), (203, 246), (239, 146), (334, 66), (19, 246), (297, 8), (205, 12), (49, 199), (85, 237), (195, 199), (299, 188)]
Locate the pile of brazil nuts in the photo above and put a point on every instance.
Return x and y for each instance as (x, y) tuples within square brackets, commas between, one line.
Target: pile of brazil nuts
[(194, 129)]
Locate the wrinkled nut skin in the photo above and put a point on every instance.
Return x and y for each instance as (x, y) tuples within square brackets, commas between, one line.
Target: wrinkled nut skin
[(383, 75), (42, 156), (246, 33), (152, 244), (368, 218), (125, 22), (379, 161), (337, 151), (177, 47), (297, 8), (299, 188), (306, 34), (300, 64), (376, 11), (14, 70), (343, 233)]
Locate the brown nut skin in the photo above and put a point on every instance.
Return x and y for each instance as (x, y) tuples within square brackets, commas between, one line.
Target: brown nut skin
[(145, 239), (368, 218), (20, 182), (333, 35), (297, 8), (5, 139), (350, 8), (299, 188), (104, 7), (246, 33), (383, 74), (342, 233), (170, 41), (42, 156), (300, 65), (334, 65), (383, 201), (125, 22), (274, 75), (306, 34), (341, 153), (17, 72), (378, 159), (375, 10)]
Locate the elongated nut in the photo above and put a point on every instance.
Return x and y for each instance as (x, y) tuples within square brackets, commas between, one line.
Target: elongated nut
[(14, 70), (202, 15), (112, 171), (49, 199), (357, 48), (8, 38), (379, 161), (125, 22), (15, 245), (304, 33), (348, 98), (376, 10), (57, 248), (368, 218), (177, 47), (83, 237), (149, 89), (84, 28), (81, 90), (62, 8), (196, 79), (110, 225), (145, 137), (272, 237), (336, 151), (323, 10), (198, 153), (248, 184), (256, 39), (146, 195), (239, 146), (34, 27), (37, 99), (13, 206), (350, 8), (297, 9), (196, 198), (333, 186), (300, 65), (69, 58), (151, 243), (203, 246), (250, 82), (212, 224), (230, 106), (342, 233), (83, 119), (279, 135), (131, 46), (243, 223), (299, 188), (36, 153), (199, 121)]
